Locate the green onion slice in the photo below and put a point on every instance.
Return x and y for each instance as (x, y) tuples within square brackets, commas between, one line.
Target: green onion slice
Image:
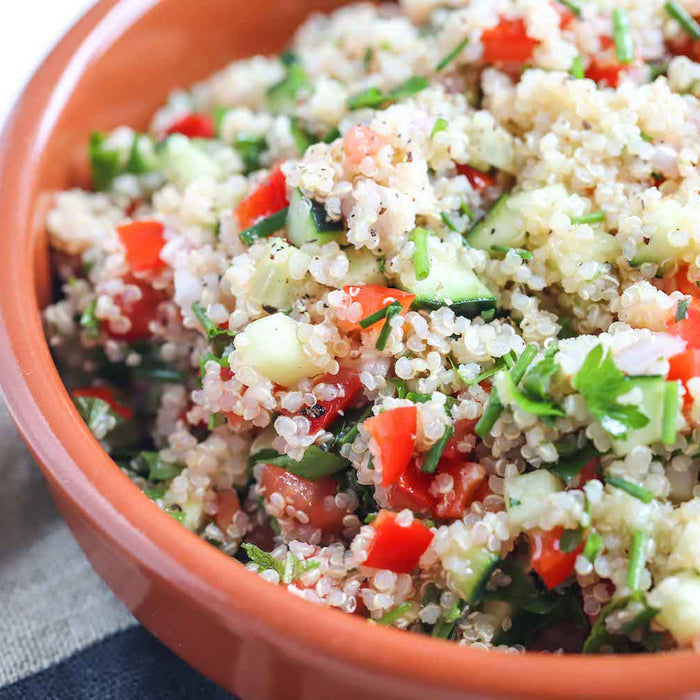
[(594, 217), (624, 48), (444, 62), (683, 17), (637, 560), (435, 453), (421, 259), (670, 415), (264, 228), (635, 490)]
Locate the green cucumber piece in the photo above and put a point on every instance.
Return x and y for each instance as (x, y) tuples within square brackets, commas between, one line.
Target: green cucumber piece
[(307, 222)]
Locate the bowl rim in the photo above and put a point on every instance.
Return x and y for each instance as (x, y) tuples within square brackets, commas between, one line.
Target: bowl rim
[(104, 496)]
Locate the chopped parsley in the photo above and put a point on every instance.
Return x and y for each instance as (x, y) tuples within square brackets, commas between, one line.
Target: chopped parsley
[(374, 98), (446, 60)]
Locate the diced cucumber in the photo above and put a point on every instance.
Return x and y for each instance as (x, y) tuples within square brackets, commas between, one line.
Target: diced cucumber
[(678, 600), (473, 572), (364, 267), (526, 496), (191, 515), (450, 282), (667, 217), (492, 144), (308, 222), (271, 285), (271, 346), (184, 161), (143, 157), (652, 405)]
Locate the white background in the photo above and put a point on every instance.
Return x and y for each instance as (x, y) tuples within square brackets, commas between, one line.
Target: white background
[(28, 31)]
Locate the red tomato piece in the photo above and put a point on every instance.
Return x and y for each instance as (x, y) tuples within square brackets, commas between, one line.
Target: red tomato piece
[(551, 564), (688, 328), (194, 126), (468, 477), (566, 16), (143, 241), (397, 548), (684, 367), (315, 498), (107, 395), (478, 179), (508, 42), (140, 312), (373, 297), (227, 505), (605, 74), (325, 412), (681, 283), (412, 490), (463, 428), (588, 473), (394, 434), (268, 199)]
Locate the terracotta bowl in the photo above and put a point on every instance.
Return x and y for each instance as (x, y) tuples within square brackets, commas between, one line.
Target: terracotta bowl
[(115, 66)]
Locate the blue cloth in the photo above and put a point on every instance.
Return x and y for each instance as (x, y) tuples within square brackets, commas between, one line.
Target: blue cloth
[(128, 665)]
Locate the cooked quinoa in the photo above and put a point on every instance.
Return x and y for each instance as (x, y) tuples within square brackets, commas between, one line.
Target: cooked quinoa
[(406, 319)]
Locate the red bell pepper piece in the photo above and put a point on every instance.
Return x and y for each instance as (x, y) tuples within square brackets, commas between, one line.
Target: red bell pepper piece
[(412, 490), (107, 395), (508, 42), (551, 564), (478, 179), (227, 505), (372, 298), (397, 548), (394, 434), (140, 312), (143, 241), (194, 126), (267, 199), (469, 478)]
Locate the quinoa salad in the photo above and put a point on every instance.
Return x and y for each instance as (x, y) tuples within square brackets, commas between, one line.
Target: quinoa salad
[(406, 318)]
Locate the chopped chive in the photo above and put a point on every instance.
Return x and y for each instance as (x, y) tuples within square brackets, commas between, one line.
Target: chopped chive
[(374, 97), (576, 70), (332, 135), (435, 452), (401, 388), (350, 436), (624, 48), (367, 59), (440, 125), (392, 310), (682, 309), (448, 222), (681, 15), (466, 210), (417, 398), (394, 614), (524, 254), (215, 420), (411, 87), (593, 545), (89, 321), (657, 69), (593, 217), (444, 62), (371, 97), (637, 560), (421, 258), (373, 318), (509, 360), (669, 421), (571, 5), (635, 490), (264, 228)]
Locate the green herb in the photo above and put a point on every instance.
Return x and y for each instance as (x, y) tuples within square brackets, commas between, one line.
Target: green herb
[(421, 258), (250, 149), (394, 614), (98, 415), (593, 545), (373, 97), (106, 164), (157, 371), (401, 388), (282, 96), (370, 518), (176, 513), (211, 330), (263, 560), (465, 209), (600, 383), (211, 357), (440, 125), (417, 398), (637, 560), (570, 540), (449, 223), (645, 136), (411, 87), (536, 406), (155, 493), (599, 635), (435, 452), (681, 310), (215, 420), (294, 568), (376, 316), (394, 309), (569, 467), (536, 382), (635, 490), (264, 228), (350, 429), (657, 69), (683, 17), (594, 217), (577, 71), (524, 254), (669, 422), (89, 321), (444, 62), (315, 464), (158, 469), (367, 60), (624, 47), (302, 139), (571, 5), (332, 135)]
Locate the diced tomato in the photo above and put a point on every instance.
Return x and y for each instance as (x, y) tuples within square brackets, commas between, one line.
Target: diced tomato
[(325, 412), (397, 548), (551, 564), (683, 367), (107, 395), (606, 71), (688, 328), (478, 179), (463, 428), (412, 490), (588, 473), (268, 199), (360, 142), (194, 126), (685, 47), (680, 283), (315, 498), (468, 479), (143, 241), (140, 312), (373, 297), (394, 434), (566, 16), (508, 42), (227, 505)]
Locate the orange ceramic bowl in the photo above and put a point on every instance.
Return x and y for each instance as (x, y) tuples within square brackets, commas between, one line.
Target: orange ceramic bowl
[(114, 67)]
